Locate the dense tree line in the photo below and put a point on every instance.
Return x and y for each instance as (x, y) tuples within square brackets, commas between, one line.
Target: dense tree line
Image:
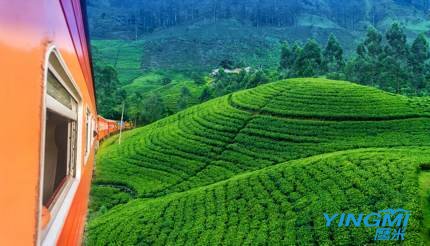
[(225, 81), (385, 61), (135, 18), (111, 97)]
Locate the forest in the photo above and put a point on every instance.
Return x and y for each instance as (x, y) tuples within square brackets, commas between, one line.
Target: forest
[(131, 19), (385, 61), (159, 57)]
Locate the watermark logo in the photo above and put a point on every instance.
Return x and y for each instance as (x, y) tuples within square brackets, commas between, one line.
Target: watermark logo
[(391, 223)]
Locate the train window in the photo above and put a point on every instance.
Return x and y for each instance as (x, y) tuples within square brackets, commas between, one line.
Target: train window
[(58, 92), (60, 153), (60, 139), (89, 132)]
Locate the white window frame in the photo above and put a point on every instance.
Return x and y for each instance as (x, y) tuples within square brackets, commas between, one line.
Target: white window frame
[(50, 234)]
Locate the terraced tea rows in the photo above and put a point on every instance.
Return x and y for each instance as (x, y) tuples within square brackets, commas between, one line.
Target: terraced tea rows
[(278, 205), (240, 133), (328, 99)]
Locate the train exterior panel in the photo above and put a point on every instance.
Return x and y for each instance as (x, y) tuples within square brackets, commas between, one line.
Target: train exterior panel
[(47, 154), (103, 128), (113, 126)]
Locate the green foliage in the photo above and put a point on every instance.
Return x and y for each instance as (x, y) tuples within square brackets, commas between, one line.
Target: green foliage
[(109, 97), (396, 39), (153, 109), (166, 81), (146, 36), (183, 100), (393, 66), (309, 61), (198, 79), (389, 64), (206, 94), (418, 60), (225, 83), (227, 64), (169, 85), (231, 170), (287, 56), (333, 56)]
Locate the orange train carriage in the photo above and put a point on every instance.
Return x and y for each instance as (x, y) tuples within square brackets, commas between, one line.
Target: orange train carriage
[(103, 128), (47, 154), (108, 127)]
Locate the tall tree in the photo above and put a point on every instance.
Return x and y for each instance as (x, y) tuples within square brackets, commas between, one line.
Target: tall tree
[(333, 56), (418, 62), (205, 95), (372, 46), (396, 39), (309, 61), (395, 61), (153, 109), (260, 77), (365, 68), (287, 59)]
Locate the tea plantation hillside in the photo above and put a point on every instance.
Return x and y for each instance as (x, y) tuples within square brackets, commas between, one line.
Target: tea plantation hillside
[(277, 205), (264, 164)]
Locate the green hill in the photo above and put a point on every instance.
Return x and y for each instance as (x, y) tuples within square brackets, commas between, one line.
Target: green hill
[(263, 165)]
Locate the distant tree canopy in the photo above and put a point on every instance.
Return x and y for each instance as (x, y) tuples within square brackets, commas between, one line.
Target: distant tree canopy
[(224, 83), (109, 97), (152, 109), (227, 64), (385, 61), (333, 56), (391, 63), (135, 18), (166, 81)]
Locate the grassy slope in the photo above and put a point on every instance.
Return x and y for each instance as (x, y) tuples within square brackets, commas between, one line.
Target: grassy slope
[(126, 58), (123, 55), (176, 166)]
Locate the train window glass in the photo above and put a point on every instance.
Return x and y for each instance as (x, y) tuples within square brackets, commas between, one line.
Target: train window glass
[(58, 92), (89, 130), (60, 139), (60, 155)]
